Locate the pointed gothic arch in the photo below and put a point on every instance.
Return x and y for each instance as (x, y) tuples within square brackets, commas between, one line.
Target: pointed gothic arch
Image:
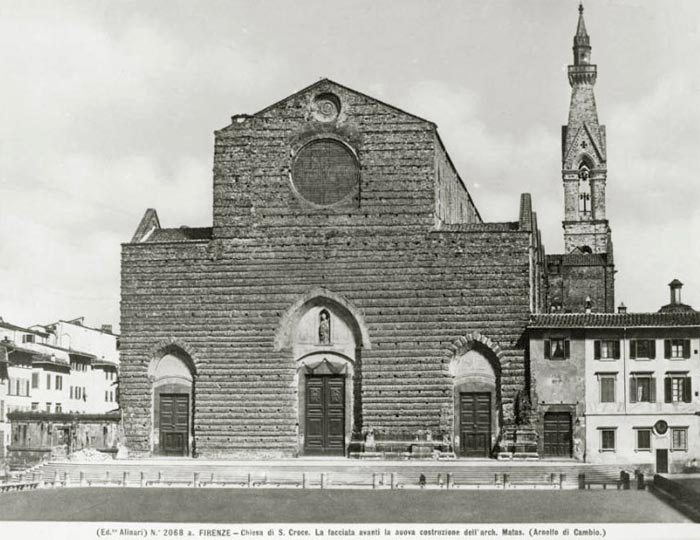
[(324, 335), (475, 365), (172, 376)]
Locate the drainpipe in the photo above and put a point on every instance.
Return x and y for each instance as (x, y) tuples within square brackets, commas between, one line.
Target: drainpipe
[(624, 370)]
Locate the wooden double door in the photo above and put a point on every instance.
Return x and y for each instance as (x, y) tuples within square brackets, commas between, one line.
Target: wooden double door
[(475, 424), (325, 415), (557, 434), (174, 417)]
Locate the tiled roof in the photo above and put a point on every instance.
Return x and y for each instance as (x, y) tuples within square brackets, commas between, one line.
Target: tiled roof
[(614, 320), (180, 235)]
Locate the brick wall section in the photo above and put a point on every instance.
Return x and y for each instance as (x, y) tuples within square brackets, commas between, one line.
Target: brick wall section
[(417, 289), (574, 277)]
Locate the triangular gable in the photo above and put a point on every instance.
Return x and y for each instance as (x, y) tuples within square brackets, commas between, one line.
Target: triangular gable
[(328, 84), (148, 224), (584, 133)]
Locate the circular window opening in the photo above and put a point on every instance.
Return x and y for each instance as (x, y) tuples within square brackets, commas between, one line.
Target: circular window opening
[(325, 172)]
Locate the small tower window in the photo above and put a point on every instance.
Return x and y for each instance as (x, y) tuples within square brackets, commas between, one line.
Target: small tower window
[(584, 190)]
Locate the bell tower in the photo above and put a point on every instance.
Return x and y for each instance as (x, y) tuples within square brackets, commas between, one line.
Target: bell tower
[(584, 161), (582, 279)]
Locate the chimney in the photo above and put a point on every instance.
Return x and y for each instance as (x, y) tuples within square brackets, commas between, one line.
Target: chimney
[(589, 304), (622, 308), (106, 328), (676, 287)]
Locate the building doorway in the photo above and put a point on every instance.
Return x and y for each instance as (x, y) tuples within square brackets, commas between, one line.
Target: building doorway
[(174, 424), (325, 415), (475, 424), (557, 434), (662, 461)]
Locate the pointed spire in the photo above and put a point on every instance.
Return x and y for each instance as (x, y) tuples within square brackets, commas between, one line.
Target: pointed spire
[(581, 28)]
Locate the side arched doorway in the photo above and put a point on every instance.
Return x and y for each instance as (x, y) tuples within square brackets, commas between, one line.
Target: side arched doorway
[(475, 370), (172, 378)]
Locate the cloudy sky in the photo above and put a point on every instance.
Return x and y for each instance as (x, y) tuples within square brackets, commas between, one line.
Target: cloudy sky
[(110, 107)]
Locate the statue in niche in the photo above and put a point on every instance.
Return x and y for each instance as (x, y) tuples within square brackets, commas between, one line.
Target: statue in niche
[(584, 191), (324, 328)]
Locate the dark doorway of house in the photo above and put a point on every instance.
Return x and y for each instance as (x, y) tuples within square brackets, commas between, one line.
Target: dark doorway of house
[(325, 415), (174, 424), (662, 461), (475, 424), (557, 434)]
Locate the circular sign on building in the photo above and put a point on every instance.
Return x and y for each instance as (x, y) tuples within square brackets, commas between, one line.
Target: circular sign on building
[(661, 427), (325, 172)]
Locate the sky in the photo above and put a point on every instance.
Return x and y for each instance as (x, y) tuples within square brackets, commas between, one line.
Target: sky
[(109, 108)]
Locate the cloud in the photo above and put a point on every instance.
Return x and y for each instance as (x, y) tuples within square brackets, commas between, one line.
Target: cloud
[(109, 116)]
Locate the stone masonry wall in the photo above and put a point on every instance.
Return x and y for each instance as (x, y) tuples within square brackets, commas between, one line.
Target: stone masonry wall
[(417, 289)]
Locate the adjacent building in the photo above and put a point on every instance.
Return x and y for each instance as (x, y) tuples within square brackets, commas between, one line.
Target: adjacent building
[(619, 388), (56, 369)]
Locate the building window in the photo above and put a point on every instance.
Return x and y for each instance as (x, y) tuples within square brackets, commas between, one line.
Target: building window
[(607, 349), (28, 338), (48, 407), (35, 406), (642, 348), (643, 439), (677, 389), (77, 392), (679, 438), (607, 439), (642, 388), (59, 382), (59, 408), (676, 348), (35, 380), (325, 172), (556, 348), (607, 388), (48, 381), (71, 392)]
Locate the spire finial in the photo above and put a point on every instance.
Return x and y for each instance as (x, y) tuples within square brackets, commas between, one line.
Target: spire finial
[(580, 8)]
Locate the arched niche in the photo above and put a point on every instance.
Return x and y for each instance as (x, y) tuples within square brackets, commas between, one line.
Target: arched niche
[(172, 377), (476, 376)]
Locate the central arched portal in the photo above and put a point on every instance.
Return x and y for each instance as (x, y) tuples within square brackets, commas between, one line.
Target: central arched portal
[(326, 342)]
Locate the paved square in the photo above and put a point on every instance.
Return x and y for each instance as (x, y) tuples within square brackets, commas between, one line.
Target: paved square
[(335, 506)]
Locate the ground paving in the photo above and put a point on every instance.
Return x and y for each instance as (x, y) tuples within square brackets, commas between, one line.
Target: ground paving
[(334, 506)]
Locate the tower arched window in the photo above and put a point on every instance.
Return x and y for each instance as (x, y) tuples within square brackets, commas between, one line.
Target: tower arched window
[(584, 190)]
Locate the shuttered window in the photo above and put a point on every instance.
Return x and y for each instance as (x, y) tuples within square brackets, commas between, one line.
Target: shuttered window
[(557, 349), (642, 349), (607, 439), (643, 439), (606, 349), (679, 438), (678, 389), (607, 388), (677, 348), (642, 389)]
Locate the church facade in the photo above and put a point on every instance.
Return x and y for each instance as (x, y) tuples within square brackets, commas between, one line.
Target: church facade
[(349, 298)]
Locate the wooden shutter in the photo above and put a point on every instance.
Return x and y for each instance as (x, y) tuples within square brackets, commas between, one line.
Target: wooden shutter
[(652, 348), (596, 347), (668, 393), (686, 348), (567, 348), (687, 390), (667, 348), (633, 349), (652, 390), (616, 349), (633, 390), (547, 349)]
